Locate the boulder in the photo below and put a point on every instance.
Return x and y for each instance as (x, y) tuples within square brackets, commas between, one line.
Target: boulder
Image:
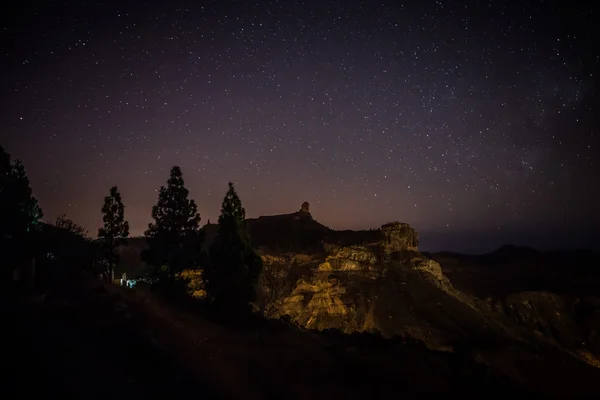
[(365, 288)]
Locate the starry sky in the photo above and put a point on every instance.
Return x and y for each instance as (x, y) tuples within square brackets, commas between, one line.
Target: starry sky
[(474, 121)]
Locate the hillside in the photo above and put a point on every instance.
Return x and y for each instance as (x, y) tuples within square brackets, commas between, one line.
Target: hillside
[(522, 314)]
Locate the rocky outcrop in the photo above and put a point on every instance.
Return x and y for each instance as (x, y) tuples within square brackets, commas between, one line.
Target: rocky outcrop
[(350, 293), (305, 207), (373, 287), (429, 269), (286, 258), (353, 258), (271, 259), (399, 237), (304, 212), (310, 301), (566, 320)]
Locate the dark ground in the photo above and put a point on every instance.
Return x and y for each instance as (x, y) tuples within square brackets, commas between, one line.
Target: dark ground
[(94, 341), (84, 342), (72, 347)]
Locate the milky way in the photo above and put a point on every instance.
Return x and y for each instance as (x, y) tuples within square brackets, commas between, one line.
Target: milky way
[(465, 119)]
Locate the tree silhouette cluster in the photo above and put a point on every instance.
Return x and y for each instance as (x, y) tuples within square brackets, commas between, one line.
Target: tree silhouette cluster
[(230, 270), (65, 250)]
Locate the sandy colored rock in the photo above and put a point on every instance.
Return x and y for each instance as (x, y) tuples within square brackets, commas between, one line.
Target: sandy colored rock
[(428, 266), (269, 259), (399, 236), (301, 258)]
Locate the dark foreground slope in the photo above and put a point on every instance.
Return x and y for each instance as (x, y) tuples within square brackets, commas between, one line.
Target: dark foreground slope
[(81, 343), (129, 344)]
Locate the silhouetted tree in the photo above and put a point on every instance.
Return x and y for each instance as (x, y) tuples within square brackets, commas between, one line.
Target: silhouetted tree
[(5, 206), (19, 212), (63, 222), (5, 167), (114, 231), (5, 215), (174, 237), (232, 274)]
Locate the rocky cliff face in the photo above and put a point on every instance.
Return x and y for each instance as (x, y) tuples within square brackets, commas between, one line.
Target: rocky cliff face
[(378, 286), (399, 237), (503, 309), (377, 281)]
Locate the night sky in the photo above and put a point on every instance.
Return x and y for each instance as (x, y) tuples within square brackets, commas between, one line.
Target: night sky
[(474, 121)]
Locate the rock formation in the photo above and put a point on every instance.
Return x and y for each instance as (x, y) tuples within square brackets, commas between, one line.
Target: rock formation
[(377, 281), (370, 282), (507, 309), (399, 237), (304, 212), (305, 207)]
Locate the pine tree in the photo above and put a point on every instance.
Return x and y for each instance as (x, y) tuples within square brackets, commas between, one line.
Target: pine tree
[(174, 236), (234, 267), (115, 229), (4, 166), (19, 212), (231, 208), (5, 190)]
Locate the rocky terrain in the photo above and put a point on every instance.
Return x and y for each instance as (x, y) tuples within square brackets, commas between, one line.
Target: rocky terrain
[(88, 339), (511, 310), (524, 316)]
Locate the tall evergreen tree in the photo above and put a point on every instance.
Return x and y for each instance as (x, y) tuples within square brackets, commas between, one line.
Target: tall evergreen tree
[(232, 274), (174, 236), (115, 229), (29, 210), (231, 208), (5, 202), (19, 212), (4, 166)]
